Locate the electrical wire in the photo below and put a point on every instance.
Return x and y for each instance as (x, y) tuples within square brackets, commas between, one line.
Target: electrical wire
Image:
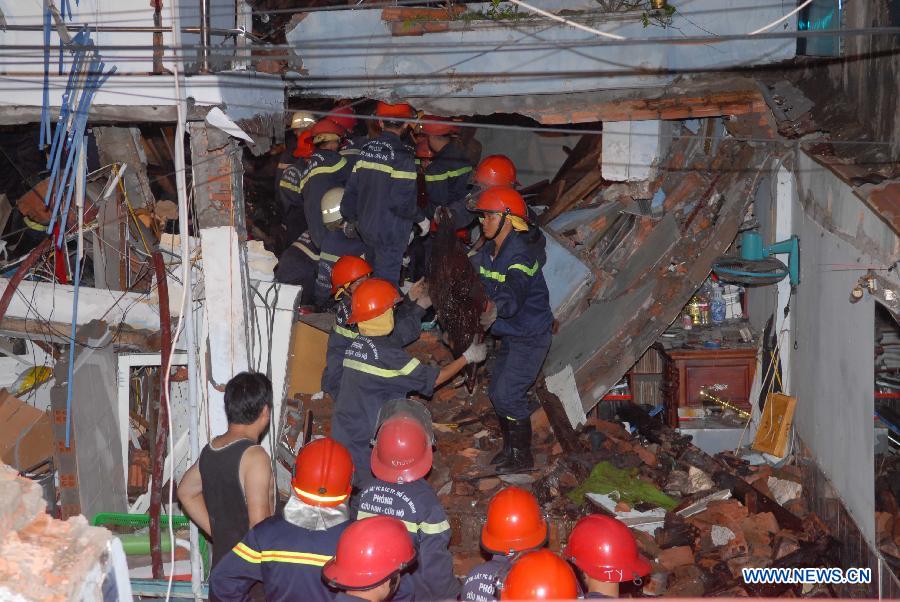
[(565, 21), (784, 18)]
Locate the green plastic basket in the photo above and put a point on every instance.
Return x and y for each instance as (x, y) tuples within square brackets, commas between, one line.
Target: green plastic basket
[(123, 519)]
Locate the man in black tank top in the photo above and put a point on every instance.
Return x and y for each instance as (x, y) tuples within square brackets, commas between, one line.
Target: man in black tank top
[(228, 489)]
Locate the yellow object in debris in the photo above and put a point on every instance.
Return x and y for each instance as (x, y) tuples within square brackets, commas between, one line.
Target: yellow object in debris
[(33, 377), (775, 424)]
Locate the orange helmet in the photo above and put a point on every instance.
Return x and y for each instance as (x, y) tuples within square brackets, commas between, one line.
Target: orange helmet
[(605, 550), (495, 170), (514, 523), (501, 199), (402, 451), (344, 116), (347, 270), (373, 297), (322, 473), (401, 110), (325, 130), (540, 575), (423, 151), (304, 144), (431, 127), (369, 552)]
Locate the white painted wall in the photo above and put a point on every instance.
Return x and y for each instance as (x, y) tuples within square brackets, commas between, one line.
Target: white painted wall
[(537, 157), (632, 149)]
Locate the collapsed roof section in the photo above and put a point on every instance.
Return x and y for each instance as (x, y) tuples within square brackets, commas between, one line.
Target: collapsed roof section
[(649, 244)]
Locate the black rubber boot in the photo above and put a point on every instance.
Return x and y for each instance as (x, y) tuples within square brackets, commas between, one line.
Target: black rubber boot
[(504, 453), (520, 457)]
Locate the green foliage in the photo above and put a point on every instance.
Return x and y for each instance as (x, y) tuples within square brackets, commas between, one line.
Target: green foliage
[(498, 11), (660, 18), (606, 478)]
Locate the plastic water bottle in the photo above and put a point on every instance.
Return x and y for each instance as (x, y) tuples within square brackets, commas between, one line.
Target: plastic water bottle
[(717, 306)]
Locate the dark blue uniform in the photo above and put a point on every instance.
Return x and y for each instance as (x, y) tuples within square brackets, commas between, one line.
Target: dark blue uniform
[(407, 328), (481, 583), (298, 265), (380, 198), (447, 184), (515, 283), (287, 559), (417, 505), (291, 200), (352, 147), (325, 169), (334, 246), (375, 370)]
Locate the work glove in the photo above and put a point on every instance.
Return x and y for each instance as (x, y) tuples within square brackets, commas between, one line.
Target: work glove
[(424, 227), (419, 294), (476, 353), (488, 316), (350, 230)]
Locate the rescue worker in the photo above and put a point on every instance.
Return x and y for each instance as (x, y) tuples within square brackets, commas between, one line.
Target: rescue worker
[(334, 246), (539, 575), (325, 169), (400, 460), (377, 369), (286, 553), (345, 117), (447, 175), (495, 170), (380, 196), (606, 553), (514, 525), (289, 193), (509, 265), (349, 272), (371, 555), (297, 145), (298, 265)]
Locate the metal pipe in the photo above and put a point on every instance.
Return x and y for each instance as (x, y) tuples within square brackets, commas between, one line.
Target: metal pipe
[(188, 309), (205, 41), (218, 31)]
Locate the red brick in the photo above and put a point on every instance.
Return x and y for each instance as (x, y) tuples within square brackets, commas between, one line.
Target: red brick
[(676, 557)]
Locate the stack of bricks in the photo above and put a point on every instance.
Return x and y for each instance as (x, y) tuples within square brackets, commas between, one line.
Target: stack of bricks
[(42, 558)]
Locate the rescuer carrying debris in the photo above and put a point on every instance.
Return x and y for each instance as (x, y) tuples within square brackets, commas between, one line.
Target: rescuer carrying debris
[(349, 272), (510, 267), (540, 575), (514, 525), (380, 196), (296, 146), (606, 553), (401, 459), (371, 556), (448, 173), (377, 369), (325, 169), (286, 553)]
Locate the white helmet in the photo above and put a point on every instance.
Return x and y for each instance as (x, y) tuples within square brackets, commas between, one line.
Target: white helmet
[(331, 207), (302, 120)]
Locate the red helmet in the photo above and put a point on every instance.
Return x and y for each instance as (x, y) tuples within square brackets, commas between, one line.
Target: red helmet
[(605, 550), (402, 451), (344, 116), (423, 151), (501, 199), (495, 170), (431, 127), (326, 129), (400, 110), (305, 146), (369, 552), (540, 575), (347, 270), (373, 297), (514, 523), (322, 473)]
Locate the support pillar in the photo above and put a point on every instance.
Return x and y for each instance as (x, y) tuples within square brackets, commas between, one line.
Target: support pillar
[(633, 149)]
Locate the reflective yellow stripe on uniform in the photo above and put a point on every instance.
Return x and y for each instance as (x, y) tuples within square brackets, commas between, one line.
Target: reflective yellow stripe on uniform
[(284, 165), (247, 553), (426, 528), (289, 186), (448, 174), (320, 170), (252, 556), (529, 271), (394, 173), (350, 151), (305, 250), (483, 271), (345, 332), (320, 498), (382, 372), (328, 257)]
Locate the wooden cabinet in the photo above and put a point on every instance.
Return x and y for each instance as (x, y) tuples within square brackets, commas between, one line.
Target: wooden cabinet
[(690, 370)]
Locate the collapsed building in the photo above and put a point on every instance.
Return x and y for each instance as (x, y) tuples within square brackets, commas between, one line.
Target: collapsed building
[(667, 175)]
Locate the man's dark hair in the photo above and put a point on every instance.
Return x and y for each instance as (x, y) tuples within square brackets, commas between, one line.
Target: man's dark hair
[(245, 397), (393, 125)]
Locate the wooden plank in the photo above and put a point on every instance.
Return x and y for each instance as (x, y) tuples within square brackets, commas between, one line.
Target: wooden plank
[(584, 187)]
